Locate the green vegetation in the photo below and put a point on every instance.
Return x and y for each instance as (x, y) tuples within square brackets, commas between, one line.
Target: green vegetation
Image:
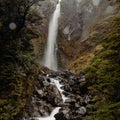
[(17, 68), (18, 71), (103, 77)]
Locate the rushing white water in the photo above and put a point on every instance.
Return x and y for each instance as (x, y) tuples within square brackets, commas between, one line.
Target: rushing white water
[(56, 110), (58, 85), (50, 59), (51, 117)]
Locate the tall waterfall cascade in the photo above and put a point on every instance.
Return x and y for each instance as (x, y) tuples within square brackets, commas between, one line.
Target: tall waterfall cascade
[(50, 58)]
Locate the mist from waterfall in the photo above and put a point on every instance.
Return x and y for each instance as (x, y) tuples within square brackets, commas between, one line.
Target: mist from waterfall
[(50, 59)]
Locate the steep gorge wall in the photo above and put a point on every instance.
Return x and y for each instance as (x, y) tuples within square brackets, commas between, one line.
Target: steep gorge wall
[(78, 17)]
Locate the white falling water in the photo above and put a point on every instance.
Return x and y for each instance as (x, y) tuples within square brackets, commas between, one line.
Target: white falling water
[(50, 59), (58, 85), (51, 117)]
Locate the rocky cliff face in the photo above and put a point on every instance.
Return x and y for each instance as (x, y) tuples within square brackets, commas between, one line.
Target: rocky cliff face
[(78, 18)]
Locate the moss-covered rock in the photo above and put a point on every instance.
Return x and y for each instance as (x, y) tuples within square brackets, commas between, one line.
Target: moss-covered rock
[(103, 77)]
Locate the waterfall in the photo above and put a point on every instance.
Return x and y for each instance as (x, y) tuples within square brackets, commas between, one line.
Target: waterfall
[(50, 59)]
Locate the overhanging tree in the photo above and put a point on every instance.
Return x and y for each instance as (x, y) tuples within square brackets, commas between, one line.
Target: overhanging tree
[(15, 11)]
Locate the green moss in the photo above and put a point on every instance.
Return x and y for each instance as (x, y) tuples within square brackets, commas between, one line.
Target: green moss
[(18, 72), (103, 77), (16, 88)]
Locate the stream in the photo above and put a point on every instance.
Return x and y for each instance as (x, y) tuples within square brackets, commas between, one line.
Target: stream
[(51, 117), (50, 59), (56, 110), (58, 96)]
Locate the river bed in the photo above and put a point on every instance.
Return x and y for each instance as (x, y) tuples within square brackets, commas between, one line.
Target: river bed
[(64, 98)]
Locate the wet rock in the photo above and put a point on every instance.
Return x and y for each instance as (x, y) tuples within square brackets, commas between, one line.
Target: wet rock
[(86, 99), (62, 82), (58, 101), (53, 95), (65, 74), (46, 83), (43, 112), (48, 80), (65, 111), (82, 78), (70, 100), (77, 118), (40, 92), (82, 110), (46, 96), (67, 88), (77, 105), (36, 113), (76, 89), (33, 119), (50, 98), (72, 71), (71, 82), (53, 75), (60, 116)]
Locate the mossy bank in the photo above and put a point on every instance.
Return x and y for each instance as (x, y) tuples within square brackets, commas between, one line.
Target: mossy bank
[(102, 70)]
